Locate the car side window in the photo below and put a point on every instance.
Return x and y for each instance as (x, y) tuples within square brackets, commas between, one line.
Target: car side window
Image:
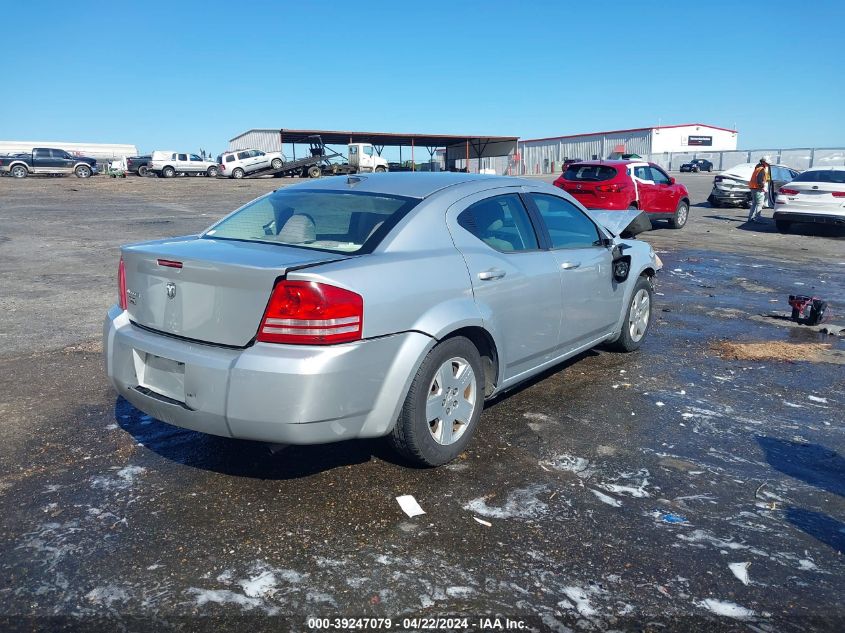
[(183, 157), (230, 158), (368, 150), (243, 155), (642, 172), (501, 222), (567, 225), (256, 153), (658, 176), (195, 157)]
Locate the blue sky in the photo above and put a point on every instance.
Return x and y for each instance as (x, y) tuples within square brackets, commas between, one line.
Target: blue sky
[(196, 74)]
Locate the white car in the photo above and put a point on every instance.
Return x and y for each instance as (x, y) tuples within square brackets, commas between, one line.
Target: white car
[(168, 164), (730, 187), (239, 163), (814, 196)]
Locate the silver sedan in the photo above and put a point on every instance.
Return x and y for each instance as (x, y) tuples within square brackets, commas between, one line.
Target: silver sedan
[(367, 306)]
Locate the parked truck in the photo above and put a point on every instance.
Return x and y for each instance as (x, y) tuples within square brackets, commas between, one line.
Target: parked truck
[(321, 160), (47, 160), (138, 164)]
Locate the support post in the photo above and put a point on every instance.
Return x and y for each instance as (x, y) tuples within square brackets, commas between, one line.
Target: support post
[(413, 164), (466, 165)]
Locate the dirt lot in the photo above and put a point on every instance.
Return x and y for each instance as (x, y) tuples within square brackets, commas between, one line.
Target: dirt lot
[(671, 486)]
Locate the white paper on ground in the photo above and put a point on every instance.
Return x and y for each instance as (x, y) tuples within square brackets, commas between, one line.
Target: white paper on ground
[(409, 505)]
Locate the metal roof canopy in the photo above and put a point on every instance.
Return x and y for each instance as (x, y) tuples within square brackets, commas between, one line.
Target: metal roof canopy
[(457, 146)]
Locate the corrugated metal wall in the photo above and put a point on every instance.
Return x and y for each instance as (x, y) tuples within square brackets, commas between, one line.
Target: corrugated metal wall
[(546, 156), (265, 140)]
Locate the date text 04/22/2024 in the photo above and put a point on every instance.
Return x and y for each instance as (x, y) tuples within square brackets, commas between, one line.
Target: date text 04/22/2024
[(426, 623)]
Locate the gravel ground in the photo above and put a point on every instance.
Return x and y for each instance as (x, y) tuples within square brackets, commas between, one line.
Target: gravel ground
[(667, 489)]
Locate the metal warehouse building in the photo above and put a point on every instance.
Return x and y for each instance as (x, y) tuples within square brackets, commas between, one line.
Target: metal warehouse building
[(545, 155)]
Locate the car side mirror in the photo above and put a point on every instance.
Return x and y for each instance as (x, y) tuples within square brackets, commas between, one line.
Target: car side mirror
[(671, 180)]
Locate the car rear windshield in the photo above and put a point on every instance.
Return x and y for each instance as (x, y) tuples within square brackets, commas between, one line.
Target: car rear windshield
[(334, 221), (836, 176), (589, 172)]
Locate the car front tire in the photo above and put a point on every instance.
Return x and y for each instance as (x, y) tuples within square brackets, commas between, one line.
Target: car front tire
[(637, 320), (679, 220), (82, 171), (211, 172), (443, 405)]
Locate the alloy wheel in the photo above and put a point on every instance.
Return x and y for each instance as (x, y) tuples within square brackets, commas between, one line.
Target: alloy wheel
[(639, 314), (452, 398)]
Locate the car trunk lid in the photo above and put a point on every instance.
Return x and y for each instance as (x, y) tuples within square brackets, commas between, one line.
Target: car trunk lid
[(209, 290), (813, 196)]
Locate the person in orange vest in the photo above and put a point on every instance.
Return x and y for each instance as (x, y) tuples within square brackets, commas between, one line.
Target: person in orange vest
[(759, 184)]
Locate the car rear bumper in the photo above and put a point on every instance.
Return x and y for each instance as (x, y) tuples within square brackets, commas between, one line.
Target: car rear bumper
[(812, 218), (289, 394)]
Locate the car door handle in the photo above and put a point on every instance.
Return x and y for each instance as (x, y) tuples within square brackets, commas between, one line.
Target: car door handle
[(489, 275), (570, 265)]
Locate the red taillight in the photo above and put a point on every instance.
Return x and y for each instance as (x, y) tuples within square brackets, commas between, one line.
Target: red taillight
[(614, 187), (311, 313), (788, 192), (121, 284), (222, 167), (838, 194), (169, 263)]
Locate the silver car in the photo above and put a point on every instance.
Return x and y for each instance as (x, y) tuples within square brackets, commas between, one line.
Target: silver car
[(367, 306)]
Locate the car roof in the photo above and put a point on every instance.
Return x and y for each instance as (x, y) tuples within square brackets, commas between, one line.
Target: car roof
[(827, 168), (611, 161), (408, 184)]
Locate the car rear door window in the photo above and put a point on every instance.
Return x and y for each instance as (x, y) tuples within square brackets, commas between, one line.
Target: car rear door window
[(642, 172), (567, 225), (501, 222), (182, 157), (243, 155)]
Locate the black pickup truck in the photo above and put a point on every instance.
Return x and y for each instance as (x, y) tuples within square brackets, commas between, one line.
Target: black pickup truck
[(47, 160), (138, 164)]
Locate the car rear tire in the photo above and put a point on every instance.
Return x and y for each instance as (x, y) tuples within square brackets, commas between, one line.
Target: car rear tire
[(238, 173), (19, 171), (143, 170), (83, 171), (681, 216), (168, 172), (211, 172), (637, 320), (314, 172), (276, 163), (380, 170), (443, 405), (783, 226)]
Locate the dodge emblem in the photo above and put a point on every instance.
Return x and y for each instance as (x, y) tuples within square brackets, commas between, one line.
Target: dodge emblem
[(171, 289)]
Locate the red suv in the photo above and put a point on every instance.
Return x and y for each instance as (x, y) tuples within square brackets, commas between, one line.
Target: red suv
[(627, 184)]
